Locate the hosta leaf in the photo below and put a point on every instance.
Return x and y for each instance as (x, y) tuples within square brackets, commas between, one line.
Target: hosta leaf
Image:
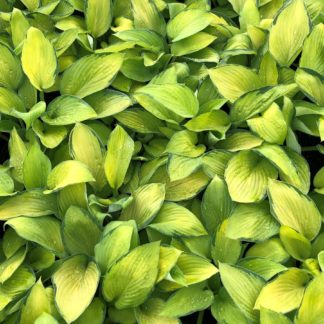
[(45, 231), (139, 209), (19, 26), (175, 220), (10, 101), (117, 160), (268, 316), (38, 60), (247, 176), (76, 282), (294, 209), (243, 286), (289, 30), (98, 16), (80, 232), (214, 162), (7, 185), (31, 203), (252, 222), (11, 242), (95, 313), (46, 318), (66, 110), (168, 258), (129, 281), (180, 167), (10, 265), (285, 292), (90, 74)]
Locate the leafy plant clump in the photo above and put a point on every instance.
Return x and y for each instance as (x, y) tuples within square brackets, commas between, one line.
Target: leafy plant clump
[(156, 161)]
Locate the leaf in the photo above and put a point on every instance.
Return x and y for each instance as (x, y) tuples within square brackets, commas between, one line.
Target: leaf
[(9, 101), (214, 162), (252, 222), (243, 286), (180, 167), (30, 203), (178, 27), (285, 292), (175, 220), (10, 265), (312, 306), (294, 209), (247, 176), (166, 100), (36, 168), (288, 32), (36, 304), (98, 16), (38, 60), (46, 318), (268, 316), (32, 5), (7, 185), (11, 242), (67, 173), (90, 74), (139, 209), (129, 281), (95, 313), (45, 231), (117, 160), (66, 110), (80, 232), (233, 81), (186, 301), (168, 259)]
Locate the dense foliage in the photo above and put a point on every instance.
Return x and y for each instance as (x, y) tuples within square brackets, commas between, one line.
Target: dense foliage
[(156, 161)]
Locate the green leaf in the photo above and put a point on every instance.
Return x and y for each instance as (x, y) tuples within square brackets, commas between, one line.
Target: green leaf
[(76, 282), (175, 220), (168, 259), (36, 168), (285, 292), (296, 244), (80, 232), (252, 222), (312, 307), (98, 16), (139, 209), (289, 30), (168, 101), (294, 209), (129, 282), (39, 60), (46, 318), (19, 27), (214, 162), (66, 110), (9, 101), (186, 301), (95, 313), (268, 316), (247, 176), (7, 185), (32, 5), (243, 286), (90, 74), (117, 159), (45, 231), (36, 304), (318, 181), (11, 242), (233, 81), (180, 167), (178, 27), (67, 173), (32, 203)]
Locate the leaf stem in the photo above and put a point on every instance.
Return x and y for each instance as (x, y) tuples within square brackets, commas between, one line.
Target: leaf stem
[(200, 317), (41, 96), (309, 148)]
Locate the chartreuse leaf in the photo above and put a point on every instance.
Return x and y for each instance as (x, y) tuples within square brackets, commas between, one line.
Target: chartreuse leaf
[(294, 209), (312, 306), (40, 258), (46, 318), (19, 26), (80, 232), (66, 110), (36, 168), (268, 316), (296, 244), (233, 81), (38, 60), (98, 16), (319, 181), (289, 30), (139, 209), (11, 242), (45, 231), (32, 203), (90, 74), (67, 173), (247, 176), (86, 148), (7, 185), (188, 300), (285, 292), (95, 313), (252, 222), (175, 220), (129, 282), (117, 159), (10, 69), (216, 204), (76, 282), (243, 286), (168, 258), (214, 162), (36, 304), (180, 167), (9, 101), (10, 265)]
